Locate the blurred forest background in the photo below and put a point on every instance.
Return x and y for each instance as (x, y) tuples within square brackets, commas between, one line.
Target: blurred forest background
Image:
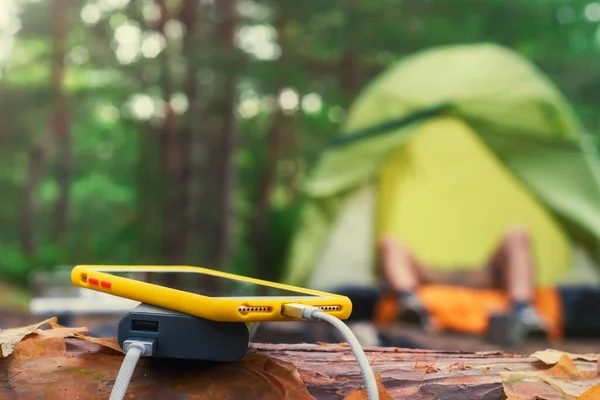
[(180, 131)]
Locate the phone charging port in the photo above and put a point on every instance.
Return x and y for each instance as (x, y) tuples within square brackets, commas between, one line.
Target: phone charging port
[(144, 326)]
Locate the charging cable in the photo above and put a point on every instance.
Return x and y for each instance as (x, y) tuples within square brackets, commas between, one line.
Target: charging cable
[(134, 349), (315, 313)]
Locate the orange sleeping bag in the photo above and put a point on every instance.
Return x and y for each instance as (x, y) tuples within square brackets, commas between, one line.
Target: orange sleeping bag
[(467, 310)]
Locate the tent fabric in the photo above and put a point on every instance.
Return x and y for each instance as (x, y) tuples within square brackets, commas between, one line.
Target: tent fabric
[(511, 105), (350, 242), (447, 197)]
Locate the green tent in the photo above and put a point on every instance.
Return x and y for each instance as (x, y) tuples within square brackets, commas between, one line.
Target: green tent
[(446, 150)]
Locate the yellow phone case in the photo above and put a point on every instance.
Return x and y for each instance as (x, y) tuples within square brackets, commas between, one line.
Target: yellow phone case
[(230, 309)]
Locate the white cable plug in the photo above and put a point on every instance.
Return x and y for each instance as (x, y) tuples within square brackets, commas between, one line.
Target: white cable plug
[(134, 349), (315, 313)]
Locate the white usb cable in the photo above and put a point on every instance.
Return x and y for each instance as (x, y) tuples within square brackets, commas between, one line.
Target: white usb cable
[(315, 313), (134, 349)]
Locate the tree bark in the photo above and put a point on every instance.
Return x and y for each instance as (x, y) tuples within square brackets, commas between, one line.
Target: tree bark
[(226, 29), (61, 122), (260, 225), (171, 158), (268, 179), (288, 371), (190, 128), (43, 150)]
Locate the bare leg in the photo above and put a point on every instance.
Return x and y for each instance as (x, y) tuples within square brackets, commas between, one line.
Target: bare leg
[(400, 269), (513, 268), (403, 275)]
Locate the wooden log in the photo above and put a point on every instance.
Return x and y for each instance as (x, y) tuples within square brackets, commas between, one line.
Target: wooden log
[(54, 367)]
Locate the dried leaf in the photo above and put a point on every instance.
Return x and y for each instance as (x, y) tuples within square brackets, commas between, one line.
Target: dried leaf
[(551, 357), (361, 393), (592, 393), (562, 381), (10, 338), (43, 346), (60, 332), (111, 343), (39, 368)]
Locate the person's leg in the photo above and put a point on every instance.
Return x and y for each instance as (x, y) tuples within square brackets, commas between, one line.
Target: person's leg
[(402, 275), (400, 269), (512, 269)]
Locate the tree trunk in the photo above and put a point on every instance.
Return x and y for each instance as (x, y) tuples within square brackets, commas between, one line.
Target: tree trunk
[(61, 122), (190, 126), (171, 157), (260, 225), (43, 150), (295, 371), (226, 28)]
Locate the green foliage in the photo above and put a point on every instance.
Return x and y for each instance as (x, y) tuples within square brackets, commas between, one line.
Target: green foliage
[(116, 191)]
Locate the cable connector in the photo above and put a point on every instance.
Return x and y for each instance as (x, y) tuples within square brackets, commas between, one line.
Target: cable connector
[(304, 311), (301, 311), (147, 346)]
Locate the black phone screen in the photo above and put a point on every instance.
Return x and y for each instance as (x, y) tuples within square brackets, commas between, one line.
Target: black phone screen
[(204, 284)]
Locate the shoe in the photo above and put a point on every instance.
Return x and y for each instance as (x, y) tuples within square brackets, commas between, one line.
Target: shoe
[(412, 311), (533, 324)]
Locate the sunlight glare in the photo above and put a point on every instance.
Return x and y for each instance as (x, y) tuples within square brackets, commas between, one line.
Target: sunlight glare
[(174, 29), (179, 103), (142, 106), (106, 112), (10, 24), (311, 103), (260, 41), (152, 44), (150, 11), (288, 99), (79, 55), (592, 12), (565, 15), (249, 108), (91, 14), (128, 38), (111, 5)]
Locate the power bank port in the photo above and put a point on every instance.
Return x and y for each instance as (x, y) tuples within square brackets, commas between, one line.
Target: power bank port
[(144, 326)]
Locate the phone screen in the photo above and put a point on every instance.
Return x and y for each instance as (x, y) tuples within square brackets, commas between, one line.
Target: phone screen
[(204, 284)]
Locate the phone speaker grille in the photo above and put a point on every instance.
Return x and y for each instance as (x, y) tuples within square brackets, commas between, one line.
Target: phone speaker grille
[(246, 309), (330, 308)]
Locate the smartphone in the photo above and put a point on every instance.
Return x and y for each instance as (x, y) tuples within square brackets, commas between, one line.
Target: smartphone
[(206, 293)]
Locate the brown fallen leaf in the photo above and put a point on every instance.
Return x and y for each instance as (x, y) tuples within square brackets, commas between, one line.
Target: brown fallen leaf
[(10, 338), (38, 368), (60, 332), (361, 392), (49, 346), (592, 393), (111, 343), (562, 381), (551, 357)]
